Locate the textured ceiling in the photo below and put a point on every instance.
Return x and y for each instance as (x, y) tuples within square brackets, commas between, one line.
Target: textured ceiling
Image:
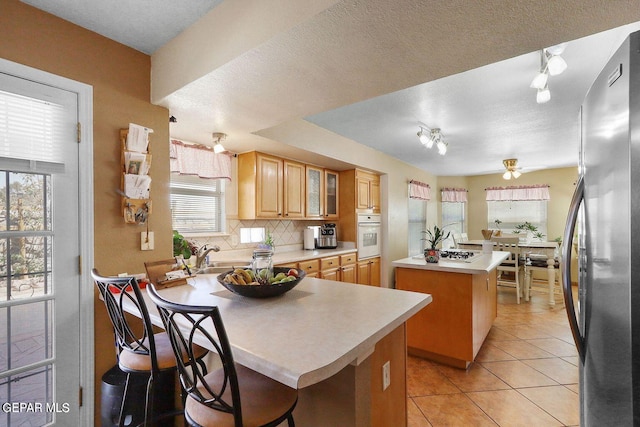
[(372, 71)]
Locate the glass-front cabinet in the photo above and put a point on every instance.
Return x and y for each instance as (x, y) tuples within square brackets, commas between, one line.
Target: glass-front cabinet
[(322, 193), (330, 194)]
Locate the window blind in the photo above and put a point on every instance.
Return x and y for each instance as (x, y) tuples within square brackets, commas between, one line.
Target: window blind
[(197, 204), (29, 128)]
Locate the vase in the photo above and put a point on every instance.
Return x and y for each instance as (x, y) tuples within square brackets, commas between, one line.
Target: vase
[(432, 255)]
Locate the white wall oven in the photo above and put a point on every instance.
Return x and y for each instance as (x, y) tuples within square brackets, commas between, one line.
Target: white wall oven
[(368, 236)]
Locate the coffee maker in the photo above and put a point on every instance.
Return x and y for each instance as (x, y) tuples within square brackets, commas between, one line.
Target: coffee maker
[(328, 238)]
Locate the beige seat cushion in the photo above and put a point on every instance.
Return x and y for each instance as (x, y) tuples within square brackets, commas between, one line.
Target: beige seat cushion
[(130, 361), (263, 400)]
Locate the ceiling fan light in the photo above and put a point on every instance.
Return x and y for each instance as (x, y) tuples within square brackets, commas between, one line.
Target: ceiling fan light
[(556, 65), (516, 174), (539, 81), (507, 175), (543, 96)]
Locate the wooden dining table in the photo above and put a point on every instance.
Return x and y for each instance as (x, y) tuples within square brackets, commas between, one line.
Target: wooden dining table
[(547, 249)]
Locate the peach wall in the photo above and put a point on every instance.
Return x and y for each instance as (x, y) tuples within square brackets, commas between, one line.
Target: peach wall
[(120, 77)]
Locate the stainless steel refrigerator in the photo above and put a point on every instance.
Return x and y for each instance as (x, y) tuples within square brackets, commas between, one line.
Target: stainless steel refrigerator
[(604, 220)]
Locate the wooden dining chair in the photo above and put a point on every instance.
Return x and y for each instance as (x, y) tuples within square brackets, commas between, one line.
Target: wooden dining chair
[(535, 262), (231, 395), (513, 264)]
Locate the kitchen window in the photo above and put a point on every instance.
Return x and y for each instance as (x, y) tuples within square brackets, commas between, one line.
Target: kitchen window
[(453, 217), (513, 212), (417, 224), (197, 204)]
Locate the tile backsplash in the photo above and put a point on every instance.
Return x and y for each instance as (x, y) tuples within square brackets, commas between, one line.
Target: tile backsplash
[(284, 232)]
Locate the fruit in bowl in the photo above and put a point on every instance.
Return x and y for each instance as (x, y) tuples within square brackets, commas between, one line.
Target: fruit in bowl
[(261, 285)]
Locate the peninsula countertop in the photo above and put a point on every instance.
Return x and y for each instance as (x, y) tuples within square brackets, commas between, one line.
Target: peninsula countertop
[(480, 263), (308, 334)]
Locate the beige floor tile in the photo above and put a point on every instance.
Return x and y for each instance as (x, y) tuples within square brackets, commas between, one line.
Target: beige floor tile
[(522, 350), (574, 360), (474, 378), (573, 387), (453, 410), (510, 408), (525, 332), (562, 403), (424, 379), (490, 353), (517, 374), (415, 417), (555, 346), (557, 369), (497, 334)]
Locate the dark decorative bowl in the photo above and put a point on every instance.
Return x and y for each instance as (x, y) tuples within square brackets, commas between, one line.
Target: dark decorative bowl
[(262, 291)]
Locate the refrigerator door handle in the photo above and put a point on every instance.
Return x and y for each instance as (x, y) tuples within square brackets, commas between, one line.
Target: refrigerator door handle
[(574, 207)]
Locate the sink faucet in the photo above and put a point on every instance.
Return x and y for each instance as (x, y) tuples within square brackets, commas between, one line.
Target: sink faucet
[(202, 253)]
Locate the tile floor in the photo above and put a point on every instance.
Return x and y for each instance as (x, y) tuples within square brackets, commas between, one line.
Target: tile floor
[(526, 373)]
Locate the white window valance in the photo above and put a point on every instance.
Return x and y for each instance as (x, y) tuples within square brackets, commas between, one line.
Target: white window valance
[(200, 160), (419, 190), (525, 192), (456, 195)]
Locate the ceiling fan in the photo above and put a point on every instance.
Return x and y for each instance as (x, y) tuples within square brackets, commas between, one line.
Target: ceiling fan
[(512, 170)]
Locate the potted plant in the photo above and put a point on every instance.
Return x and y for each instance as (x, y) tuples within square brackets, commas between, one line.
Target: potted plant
[(529, 229), (497, 222), (181, 246), (434, 237)]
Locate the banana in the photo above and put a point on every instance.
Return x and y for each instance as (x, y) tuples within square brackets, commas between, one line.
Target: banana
[(244, 274), (230, 279), (239, 278)]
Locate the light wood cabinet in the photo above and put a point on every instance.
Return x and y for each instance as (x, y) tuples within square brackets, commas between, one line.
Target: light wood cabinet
[(368, 272), (321, 193), (348, 268), (270, 187), (294, 189), (341, 268), (310, 267), (331, 200), (454, 326), (260, 186), (367, 192)]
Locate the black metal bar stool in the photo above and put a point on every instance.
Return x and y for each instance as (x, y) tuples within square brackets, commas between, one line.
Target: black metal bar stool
[(232, 395), (140, 353)]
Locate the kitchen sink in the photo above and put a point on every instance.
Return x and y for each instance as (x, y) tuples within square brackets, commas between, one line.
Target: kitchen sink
[(217, 267)]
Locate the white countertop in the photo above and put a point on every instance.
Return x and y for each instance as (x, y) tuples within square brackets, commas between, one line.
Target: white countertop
[(482, 263), (285, 256), (308, 334)]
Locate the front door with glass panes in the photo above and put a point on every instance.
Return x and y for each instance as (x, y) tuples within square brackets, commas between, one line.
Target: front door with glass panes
[(39, 255)]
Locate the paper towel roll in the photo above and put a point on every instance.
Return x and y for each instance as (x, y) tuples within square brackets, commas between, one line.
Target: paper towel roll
[(309, 239)]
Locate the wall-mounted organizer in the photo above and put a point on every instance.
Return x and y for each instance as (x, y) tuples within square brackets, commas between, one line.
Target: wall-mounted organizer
[(136, 182)]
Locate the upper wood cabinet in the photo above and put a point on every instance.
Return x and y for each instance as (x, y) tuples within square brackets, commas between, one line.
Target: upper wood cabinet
[(260, 186), (322, 193), (367, 192), (331, 200), (270, 187), (294, 189)]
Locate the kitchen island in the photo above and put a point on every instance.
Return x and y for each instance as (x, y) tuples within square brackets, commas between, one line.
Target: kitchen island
[(327, 339), (453, 327)]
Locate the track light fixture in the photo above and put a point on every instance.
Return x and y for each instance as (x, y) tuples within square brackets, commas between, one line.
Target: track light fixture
[(551, 64), (429, 137), (217, 137)]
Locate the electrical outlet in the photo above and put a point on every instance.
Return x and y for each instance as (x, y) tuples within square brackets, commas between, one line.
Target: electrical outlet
[(386, 375), (146, 241)]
